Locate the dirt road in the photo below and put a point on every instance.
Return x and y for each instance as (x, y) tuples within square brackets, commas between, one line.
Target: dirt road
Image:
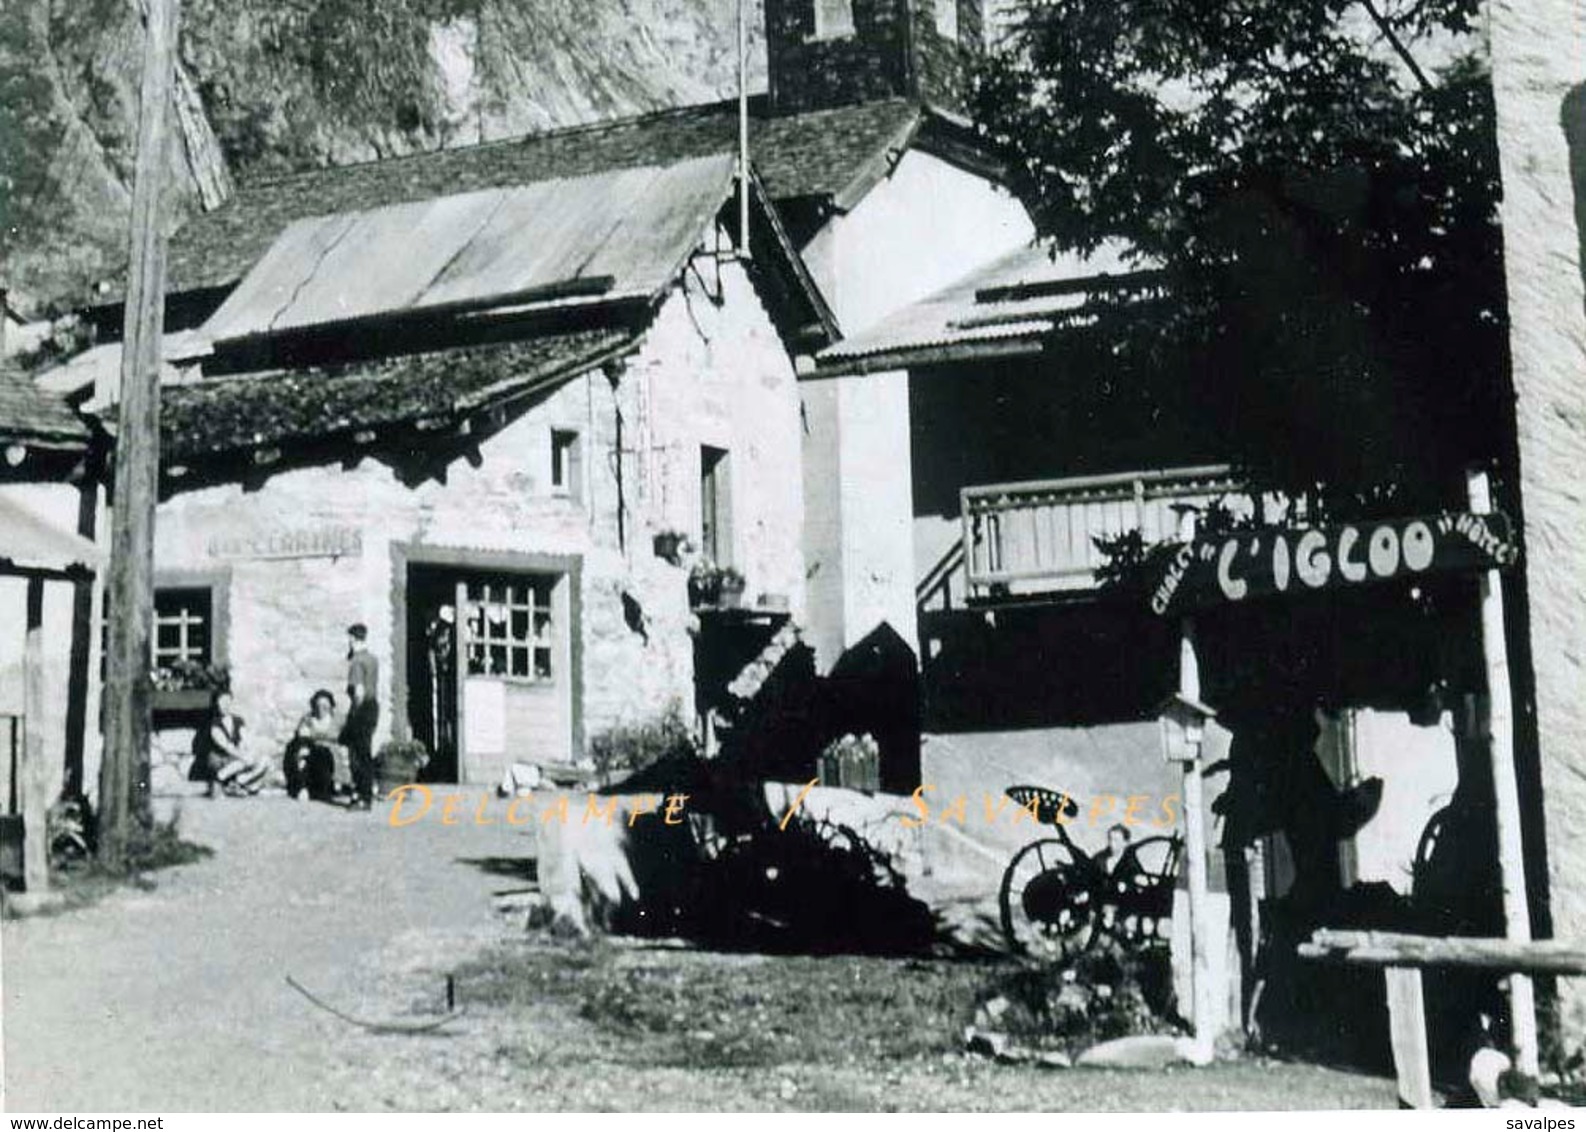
[(174, 999)]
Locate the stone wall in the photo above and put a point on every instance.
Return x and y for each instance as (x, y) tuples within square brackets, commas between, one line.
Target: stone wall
[(806, 73), (894, 49), (1539, 79), (939, 62), (710, 370)]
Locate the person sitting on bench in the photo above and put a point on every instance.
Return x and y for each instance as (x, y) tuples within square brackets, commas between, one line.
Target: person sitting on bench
[(310, 760)]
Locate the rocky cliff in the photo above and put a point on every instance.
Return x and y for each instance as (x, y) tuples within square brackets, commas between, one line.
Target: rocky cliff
[(271, 85)]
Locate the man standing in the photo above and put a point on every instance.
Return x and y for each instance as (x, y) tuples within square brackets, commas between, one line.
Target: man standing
[(363, 680)]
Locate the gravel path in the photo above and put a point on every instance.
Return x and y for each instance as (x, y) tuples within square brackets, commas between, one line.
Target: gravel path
[(174, 999)]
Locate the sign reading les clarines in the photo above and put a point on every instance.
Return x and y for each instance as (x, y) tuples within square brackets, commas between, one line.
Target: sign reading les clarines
[(1288, 560), (306, 542)]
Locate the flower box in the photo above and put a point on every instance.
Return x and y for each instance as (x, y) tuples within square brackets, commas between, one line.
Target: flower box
[(181, 699)]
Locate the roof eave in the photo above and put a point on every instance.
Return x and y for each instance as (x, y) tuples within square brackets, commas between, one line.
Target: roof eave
[(794, 263), (922, 356), (196, 462), (878, 168)]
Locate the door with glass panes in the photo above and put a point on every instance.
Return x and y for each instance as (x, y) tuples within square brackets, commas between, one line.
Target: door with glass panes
[(513, 673)]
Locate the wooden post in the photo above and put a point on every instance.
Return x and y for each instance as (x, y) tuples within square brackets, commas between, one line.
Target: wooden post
[(124, 778), (84, 632), (1189, 686), (34, 785), (1407, 1034), (1506, 791)]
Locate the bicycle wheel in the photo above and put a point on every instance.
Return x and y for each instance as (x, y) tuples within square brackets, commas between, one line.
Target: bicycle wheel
[(1047, 906)]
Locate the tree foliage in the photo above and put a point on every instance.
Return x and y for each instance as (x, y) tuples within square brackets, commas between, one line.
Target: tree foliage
[(1319, 178)]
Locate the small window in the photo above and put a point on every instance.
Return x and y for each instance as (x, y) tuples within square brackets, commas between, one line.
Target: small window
[(183, 628), (833, 18), (567, 464), (715, 505), (947, 19)]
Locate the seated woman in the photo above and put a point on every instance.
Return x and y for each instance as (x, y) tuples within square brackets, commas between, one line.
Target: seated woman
[(310, 761), (221, 746)]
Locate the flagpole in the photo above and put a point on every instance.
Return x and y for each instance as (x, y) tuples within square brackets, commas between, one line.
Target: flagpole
[(743, 128)]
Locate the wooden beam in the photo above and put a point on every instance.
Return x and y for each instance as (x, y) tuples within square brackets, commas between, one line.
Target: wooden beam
[(85, 639), (124, 777), (35, 772), (1396, 949)]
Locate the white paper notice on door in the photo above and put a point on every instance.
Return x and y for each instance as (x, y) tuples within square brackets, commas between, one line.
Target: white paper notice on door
[(484, 716)]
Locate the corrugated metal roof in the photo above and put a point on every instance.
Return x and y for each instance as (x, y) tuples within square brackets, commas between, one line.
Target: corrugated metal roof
[(33, 545), (1023, 296), (621, 233), (820, 153)]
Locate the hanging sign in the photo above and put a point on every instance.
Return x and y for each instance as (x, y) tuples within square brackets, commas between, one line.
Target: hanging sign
[(1291, 560)]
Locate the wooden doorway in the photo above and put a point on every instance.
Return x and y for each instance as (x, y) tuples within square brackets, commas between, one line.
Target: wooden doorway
[(490, 669)]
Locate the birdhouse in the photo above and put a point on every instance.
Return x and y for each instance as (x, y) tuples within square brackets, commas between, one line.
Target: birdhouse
[(1183, 727)]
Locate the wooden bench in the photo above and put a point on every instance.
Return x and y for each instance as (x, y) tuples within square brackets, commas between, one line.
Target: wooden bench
[(1402, 957)]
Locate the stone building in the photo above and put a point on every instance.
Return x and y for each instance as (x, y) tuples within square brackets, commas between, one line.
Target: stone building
[(477, 398), (489, 505)]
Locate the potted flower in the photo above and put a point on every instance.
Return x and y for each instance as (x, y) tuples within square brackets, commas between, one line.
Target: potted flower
[(704, 584), (399, 762), (712, 586), (672, 546), (732, 587)]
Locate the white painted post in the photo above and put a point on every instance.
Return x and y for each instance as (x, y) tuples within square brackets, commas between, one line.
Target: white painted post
[(1189, 683), (1506, 791), (1407, 1034)]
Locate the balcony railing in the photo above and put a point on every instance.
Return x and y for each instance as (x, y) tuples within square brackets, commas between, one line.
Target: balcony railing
[(1040, 536)]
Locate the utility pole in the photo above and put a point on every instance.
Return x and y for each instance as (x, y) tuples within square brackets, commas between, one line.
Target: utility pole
[(129, 597)]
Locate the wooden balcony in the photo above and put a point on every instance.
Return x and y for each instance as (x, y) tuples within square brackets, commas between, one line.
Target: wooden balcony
[(1039, 537)]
